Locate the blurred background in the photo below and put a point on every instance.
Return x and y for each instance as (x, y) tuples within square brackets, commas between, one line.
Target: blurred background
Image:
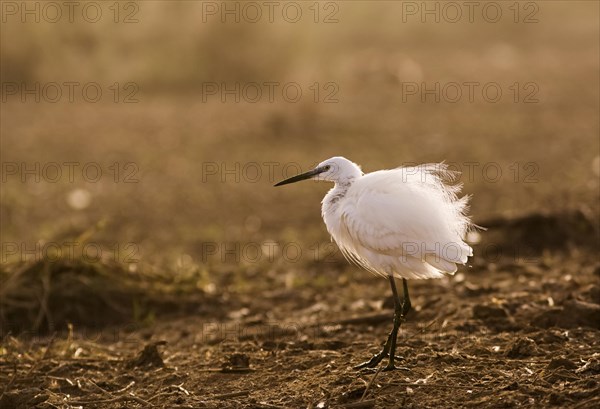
[(158, 128), (140, 141)]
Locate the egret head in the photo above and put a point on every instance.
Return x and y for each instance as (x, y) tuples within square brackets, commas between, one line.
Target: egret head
[(337, 169)]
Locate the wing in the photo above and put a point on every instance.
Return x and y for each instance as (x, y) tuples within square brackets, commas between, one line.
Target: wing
[(405, 212)]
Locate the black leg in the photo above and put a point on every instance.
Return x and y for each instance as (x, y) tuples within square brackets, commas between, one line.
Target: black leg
[(389, 347), (400, 311), (406, 306)]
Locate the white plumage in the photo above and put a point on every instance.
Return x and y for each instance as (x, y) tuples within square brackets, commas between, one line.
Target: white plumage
[(404, 222)]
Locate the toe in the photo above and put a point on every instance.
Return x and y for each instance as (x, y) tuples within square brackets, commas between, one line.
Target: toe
[(392, 367), (371, 363), (368, 364), (389, 367)]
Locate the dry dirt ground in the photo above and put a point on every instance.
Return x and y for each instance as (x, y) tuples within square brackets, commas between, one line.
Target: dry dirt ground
[(505, 332), (519, 326)]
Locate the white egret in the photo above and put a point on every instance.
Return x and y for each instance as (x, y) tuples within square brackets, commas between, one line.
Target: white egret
[(405, 222)]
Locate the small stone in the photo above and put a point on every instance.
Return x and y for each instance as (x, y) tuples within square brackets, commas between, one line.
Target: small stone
[(522, 347), (592, 366), (579, 314), (547, 319), (239, 361), (561, 363), (149, 356), (511, 387), (484, 312)]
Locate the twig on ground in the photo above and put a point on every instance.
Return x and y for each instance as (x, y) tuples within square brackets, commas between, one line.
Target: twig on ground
[(365, 404), (231, 395), (60, 378), (12, 380), (113, 400), (425, 328), (129, 385), (434, 385), (160, 394), (370, 383), (102, 390), (227, 370), (178, 389), (181, 388), (590, 403), (31, 369)]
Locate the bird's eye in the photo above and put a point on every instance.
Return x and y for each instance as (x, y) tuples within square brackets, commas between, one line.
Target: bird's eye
[(327, 167)]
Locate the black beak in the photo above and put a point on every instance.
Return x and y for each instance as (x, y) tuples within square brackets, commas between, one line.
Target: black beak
[(302, 176)]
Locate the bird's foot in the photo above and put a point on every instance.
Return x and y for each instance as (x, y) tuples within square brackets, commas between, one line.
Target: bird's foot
[(376, 359), (392, 367), (373, 362)]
